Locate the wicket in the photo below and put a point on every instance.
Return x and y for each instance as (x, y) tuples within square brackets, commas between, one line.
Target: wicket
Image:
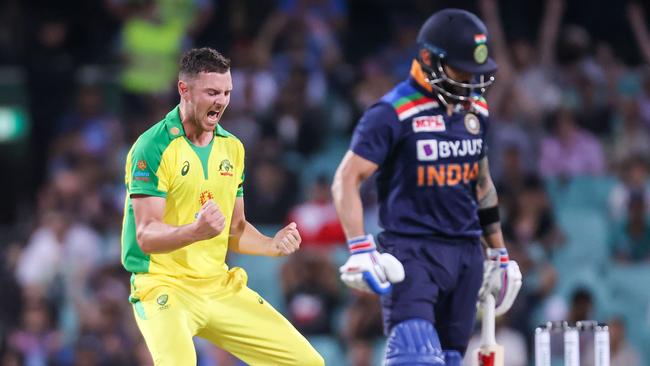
[(586, 333)]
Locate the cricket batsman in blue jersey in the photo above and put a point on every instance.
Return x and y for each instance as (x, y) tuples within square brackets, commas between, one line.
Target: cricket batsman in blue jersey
[(426, 141)]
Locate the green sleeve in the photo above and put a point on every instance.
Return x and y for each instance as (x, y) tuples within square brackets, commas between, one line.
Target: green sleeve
[(240, 188), (146, 173)]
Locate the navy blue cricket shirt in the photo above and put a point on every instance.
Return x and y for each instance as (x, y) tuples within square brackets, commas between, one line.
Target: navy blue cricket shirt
[(428, 162)]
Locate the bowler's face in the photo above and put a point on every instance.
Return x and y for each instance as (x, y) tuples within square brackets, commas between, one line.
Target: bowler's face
[(208, 97)]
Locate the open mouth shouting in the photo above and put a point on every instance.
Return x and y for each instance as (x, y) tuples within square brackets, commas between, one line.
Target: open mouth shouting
[(214, 115)]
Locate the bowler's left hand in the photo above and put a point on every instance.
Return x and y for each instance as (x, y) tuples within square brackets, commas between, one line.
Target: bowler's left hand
[(287, 240)]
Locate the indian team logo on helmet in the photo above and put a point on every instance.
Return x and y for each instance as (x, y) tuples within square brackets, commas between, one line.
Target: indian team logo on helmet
[(481, 50), (480, 54), (225, 168), (472, 124)]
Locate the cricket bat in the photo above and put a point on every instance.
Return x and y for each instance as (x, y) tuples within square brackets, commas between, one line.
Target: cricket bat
[(489, 353)]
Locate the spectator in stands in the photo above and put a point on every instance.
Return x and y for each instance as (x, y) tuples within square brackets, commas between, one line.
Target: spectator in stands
[(150, 41), (36, 340), (526, 69), (593, 109), (397, 56), (103, 336), (317, 218), (533, 234), (11, 300), (363, 327), (513, 143), (295, 120), (570, 150), (307, 32), (644, 98), (290, 67), (50, 66), (531, 220), (631, 237), (60, 249), (633, 177), (12, 358), (255, 95), (89, 128), (310, 287), (631, 137), (273, 188), (375, 82), (581, 306)]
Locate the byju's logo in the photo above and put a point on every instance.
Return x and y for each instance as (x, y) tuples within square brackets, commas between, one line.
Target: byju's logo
[(431, 150)]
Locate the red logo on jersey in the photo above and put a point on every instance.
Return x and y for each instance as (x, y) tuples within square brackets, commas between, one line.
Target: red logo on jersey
[(205, 196), (429, 124), (142, 165)]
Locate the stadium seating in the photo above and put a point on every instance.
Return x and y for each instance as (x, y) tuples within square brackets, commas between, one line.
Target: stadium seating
[(586, 243), (629, 296), (580, 192)]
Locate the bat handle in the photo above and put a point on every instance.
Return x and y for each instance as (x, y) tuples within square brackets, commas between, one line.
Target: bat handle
[(487, 323)]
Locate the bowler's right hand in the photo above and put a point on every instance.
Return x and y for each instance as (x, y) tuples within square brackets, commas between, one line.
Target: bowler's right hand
[(210, 222), (368, 270)]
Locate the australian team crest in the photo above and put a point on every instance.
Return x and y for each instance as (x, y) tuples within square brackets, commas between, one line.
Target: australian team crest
[(225, 168), (472, 124)]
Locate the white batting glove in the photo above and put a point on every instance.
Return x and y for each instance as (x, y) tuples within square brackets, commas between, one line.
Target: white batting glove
[(368, 270), (501, 278)]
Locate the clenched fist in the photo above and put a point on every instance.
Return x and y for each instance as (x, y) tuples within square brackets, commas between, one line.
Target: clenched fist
[(287, 240), (210, 222)]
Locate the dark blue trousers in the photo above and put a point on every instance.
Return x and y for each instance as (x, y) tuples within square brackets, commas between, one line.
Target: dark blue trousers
[(443, 277)]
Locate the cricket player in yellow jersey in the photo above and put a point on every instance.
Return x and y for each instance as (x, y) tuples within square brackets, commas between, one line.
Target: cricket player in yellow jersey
[(184, 209)]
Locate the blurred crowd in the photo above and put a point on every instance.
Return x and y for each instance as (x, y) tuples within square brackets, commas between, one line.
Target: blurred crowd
[(571, 102)]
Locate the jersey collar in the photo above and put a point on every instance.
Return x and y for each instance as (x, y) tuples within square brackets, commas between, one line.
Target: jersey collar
[(418, 80), (175, 126)]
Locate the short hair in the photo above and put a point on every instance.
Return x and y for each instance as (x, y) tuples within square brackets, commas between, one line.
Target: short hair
[(203, 59)]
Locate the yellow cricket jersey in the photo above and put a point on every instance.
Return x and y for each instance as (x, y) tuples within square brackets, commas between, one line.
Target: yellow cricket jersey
[(163, 163)]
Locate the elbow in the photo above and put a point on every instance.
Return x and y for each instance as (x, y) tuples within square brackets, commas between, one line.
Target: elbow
[(143, 243)]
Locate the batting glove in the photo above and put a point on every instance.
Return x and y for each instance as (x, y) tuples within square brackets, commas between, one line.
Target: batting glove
[(501, 278), (368, 270)]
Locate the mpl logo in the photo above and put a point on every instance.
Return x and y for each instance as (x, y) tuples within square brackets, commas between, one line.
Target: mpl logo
[(429, 124)]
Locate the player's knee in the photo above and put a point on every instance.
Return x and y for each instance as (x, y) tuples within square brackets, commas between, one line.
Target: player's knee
[(414, 342)]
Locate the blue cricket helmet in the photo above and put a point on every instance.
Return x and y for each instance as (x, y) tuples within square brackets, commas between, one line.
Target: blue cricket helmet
[(456, 38)]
